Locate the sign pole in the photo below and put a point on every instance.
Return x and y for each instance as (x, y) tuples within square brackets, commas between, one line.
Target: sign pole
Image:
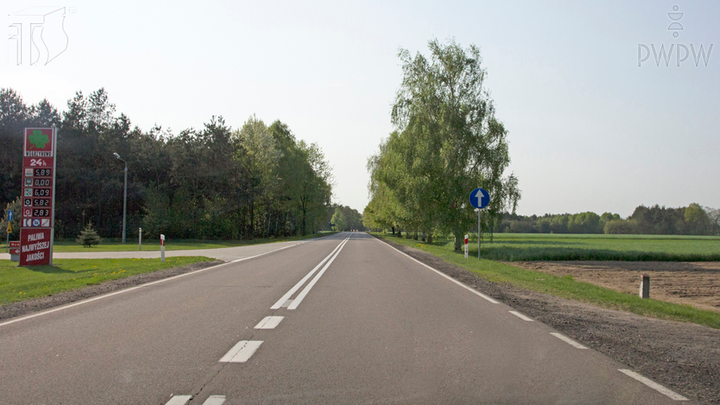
[(52, 211), (479, 232)]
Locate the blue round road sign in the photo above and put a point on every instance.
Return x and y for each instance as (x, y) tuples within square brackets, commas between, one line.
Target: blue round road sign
[(479, 198)]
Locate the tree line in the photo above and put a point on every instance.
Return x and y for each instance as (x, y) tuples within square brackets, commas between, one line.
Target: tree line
[(447, 141), (656, 220), (213, 182)]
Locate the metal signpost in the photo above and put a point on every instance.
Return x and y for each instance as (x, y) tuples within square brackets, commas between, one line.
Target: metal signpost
[(162, 248), (9, 230), (38, 196), (479, 198)]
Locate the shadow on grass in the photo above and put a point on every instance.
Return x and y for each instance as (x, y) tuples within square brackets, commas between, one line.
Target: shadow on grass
[(47, 269), (563, 254)]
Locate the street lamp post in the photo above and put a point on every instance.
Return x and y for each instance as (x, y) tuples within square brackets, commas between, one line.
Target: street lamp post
[(124, 197)]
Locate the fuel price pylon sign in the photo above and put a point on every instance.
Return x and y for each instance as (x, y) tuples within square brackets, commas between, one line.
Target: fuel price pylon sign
[(38, 196)]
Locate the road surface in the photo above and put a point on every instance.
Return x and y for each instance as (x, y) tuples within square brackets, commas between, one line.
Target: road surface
[(341, 319)]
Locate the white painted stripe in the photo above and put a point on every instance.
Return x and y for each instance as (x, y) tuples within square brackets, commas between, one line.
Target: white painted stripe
[(215, 400), (568, 340), (242, 351), (472, 290), (296, 302), (521, 316), (287, 303), (652, 384), (178, 400), (75, 304), (270, 322), (300, 283)]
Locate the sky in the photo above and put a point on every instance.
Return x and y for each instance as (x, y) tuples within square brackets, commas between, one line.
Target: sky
[(597, 118)]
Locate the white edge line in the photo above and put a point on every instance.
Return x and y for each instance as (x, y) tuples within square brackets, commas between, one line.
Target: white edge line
[(299, 284), (521, 316), (296, 302), (241, 352), (75, 304), (472, 290), (178, 400), (652, 384), (568, 340)]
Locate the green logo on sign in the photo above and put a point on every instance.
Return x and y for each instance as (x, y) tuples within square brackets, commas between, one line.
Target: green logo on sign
[(38, 139)]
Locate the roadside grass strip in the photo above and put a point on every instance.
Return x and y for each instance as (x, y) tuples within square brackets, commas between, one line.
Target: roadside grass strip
[(22, 283), (566, 286), (153, 245), (652, 384)]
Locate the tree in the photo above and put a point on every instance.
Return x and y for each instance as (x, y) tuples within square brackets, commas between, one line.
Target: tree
[(339, 221), (88, 237), (447, 142)]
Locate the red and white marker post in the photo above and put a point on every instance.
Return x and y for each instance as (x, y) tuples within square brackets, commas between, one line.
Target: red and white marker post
[(162, 248), (466, 246)]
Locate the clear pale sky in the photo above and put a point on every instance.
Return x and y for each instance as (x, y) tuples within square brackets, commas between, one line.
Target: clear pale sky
[(589, 129)]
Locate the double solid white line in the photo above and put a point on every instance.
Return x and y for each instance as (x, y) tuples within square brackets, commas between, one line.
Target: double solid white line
[(294, 303)]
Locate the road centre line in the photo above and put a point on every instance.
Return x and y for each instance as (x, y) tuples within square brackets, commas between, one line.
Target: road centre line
[(472, 290), (269, 322), (242, 351), (300, 283), (75, 304), (652, 384), (568, 340), (178, 400), (183, 399), (521, 316), (311, 284)]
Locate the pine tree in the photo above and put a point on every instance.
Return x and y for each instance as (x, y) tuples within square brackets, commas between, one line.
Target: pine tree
[(88, 236)]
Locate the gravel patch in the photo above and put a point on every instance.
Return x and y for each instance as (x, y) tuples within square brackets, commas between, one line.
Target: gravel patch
[(684, 357), (20, 308)]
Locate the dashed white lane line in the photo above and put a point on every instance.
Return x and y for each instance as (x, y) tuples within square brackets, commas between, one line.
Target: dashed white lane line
[(215, 400), (241, 352), (312, 283), (270, 322), (472, 290), (178, 400), (652, 384), (568, 340), (521, 316), (282, 302), (183, 399)]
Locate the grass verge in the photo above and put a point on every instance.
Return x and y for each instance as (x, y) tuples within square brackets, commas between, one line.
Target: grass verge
[(21, 283), (565, 287), (150, 245)]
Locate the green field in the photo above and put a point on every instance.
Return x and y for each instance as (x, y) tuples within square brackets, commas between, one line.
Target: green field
[(566, 286), (21, 283), (114, 245), (529, 247)]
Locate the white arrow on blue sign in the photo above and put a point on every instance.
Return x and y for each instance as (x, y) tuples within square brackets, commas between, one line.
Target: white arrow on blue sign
[(10, 215), (479, 198)]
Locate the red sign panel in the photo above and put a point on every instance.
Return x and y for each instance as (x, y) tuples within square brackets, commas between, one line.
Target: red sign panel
[(38, 195), (34, 247), (15, 247)]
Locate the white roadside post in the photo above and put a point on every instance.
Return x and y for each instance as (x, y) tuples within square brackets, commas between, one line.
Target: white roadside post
[(140, 239), (162, 248), (466, 246)]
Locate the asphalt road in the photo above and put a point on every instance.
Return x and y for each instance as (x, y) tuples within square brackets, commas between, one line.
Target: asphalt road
[(369, 325)]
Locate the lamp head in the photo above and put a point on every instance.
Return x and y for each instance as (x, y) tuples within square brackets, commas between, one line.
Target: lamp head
[(116, 155)]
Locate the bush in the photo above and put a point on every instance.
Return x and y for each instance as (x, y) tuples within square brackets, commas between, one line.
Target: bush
[(88, 237)]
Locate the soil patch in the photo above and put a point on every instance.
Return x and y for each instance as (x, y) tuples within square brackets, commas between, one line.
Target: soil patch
[(684, 357), (695, 283), (20, 308)]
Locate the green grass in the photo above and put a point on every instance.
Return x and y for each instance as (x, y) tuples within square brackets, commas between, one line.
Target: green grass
[(529, 247), (114, 245), (21, 283), (565, 286)]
